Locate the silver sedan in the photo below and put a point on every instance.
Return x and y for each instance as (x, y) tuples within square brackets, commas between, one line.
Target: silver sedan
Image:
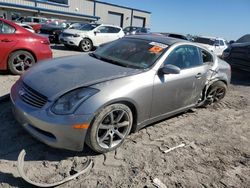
[(99, 98)]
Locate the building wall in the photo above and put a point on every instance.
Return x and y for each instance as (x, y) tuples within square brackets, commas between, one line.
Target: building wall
[(143, 15), (74, 6), (82, 7), (102, 12)]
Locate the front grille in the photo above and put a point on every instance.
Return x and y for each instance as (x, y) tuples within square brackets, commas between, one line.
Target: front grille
[(32, 97)]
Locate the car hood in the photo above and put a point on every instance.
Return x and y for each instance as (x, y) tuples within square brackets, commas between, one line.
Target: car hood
[(58, 76), (51, 28)]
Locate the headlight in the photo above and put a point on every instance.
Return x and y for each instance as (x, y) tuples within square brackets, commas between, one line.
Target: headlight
[(69, 102), (76, 35)]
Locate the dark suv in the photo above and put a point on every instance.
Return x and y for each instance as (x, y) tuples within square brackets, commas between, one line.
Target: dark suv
[(238, 53)]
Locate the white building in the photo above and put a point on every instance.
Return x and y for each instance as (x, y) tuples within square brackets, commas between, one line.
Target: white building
[(76, 10)]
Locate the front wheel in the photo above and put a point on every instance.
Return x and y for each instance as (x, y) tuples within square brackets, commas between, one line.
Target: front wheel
[(20, 61), (86, 45), (110, 128)]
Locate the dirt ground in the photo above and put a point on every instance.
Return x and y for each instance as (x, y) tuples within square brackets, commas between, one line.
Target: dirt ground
[(217, 151)]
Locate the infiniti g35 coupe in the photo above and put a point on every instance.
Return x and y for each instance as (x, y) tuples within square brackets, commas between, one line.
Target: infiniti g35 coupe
[(99, 98)]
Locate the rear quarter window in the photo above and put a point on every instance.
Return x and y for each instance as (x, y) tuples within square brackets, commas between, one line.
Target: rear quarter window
[(206, 56), (114, 30), (6, 28)]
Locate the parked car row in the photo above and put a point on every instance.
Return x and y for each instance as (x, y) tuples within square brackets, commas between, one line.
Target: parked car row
[(238, 53), (88, 36)]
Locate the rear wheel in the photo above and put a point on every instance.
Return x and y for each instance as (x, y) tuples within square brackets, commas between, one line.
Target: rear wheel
[(110, 128), (20, 61), (86, 45), (215, 93)]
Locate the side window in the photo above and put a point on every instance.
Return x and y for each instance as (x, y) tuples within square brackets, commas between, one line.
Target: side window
[(113, 30), (217, 43), (28, 19), (206, 56), (144, 30), (221, 43), (36, 20), (103, 29), (6, 28), (184, 57)]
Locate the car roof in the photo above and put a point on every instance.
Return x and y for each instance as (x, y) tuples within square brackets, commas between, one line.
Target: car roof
[(109, 25), (157, 38), (208, 37)]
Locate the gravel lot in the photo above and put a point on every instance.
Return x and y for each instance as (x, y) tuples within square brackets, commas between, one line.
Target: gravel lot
[(217, 151)]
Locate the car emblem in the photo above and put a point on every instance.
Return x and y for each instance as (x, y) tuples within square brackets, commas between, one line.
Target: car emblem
[(21, 92)]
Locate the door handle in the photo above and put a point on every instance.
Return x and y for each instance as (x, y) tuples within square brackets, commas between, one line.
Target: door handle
[(6, 40), (198, 76)]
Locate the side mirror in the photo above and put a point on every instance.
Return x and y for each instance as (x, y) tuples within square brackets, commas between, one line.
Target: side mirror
[(95, 32), (231, 41), (170, 69)]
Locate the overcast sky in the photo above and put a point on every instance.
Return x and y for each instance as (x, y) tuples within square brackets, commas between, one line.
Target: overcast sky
[(221, 18)]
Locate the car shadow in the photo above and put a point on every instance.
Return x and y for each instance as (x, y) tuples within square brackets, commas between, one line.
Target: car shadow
[(240, 77), (5, 72), (62, 47), (12, 181)]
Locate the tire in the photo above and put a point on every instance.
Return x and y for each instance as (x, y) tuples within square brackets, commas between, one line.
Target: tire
[(20, 61), (102, 130), (86, 45), (216, 92)]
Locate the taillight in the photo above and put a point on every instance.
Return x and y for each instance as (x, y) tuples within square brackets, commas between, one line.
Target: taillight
[(45, 42)]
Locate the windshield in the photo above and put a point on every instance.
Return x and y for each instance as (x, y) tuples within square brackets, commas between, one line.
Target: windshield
[(130, 29), (77, 26), (58, 24), (205, 41), (88, 27), (129, 52)]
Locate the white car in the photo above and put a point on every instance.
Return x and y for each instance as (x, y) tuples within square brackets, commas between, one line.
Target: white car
[(28, 27), (214, 44), (90, 35)]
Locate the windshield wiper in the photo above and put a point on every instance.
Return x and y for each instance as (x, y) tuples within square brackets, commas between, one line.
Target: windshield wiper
[(114, 61), (108, 60)]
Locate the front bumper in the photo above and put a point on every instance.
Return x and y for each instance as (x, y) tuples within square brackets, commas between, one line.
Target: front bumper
[(72, 41), (53, 130)]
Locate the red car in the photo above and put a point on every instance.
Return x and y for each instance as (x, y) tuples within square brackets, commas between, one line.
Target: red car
[(19, 48)]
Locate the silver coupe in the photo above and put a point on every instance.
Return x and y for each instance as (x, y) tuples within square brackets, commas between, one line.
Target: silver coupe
[(100, 97)]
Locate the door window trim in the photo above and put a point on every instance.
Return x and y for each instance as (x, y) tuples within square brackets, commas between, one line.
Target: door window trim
[(199, 54)]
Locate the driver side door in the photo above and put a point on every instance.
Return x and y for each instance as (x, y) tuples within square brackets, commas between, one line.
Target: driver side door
[(175, 92)]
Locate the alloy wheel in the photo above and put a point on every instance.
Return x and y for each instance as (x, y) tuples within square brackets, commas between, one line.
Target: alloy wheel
[(216, 94), (22, 62), (86, 45), (113, 128)]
